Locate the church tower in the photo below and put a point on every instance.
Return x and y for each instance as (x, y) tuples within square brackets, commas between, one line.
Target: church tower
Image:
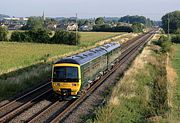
[(43, 17)]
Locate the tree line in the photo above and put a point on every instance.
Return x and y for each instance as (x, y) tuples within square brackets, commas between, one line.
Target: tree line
[(40, 35), (137, 19), (171, 24), (136, 27)]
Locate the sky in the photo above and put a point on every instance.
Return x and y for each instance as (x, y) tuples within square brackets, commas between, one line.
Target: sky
[(154, 9)]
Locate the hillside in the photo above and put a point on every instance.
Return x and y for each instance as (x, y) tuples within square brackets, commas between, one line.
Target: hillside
[(2, 16)]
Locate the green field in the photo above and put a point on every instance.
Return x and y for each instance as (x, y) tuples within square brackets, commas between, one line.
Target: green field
[(14, 55), (176, 65), (176, 60)]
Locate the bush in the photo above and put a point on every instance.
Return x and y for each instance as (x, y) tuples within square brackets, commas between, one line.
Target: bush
[(43, 36), (37, 35), (3, 34), (20, 37), (176, 39), (123, 29), (65, 37), (102, 28), (164, 43), (137, 27), (108, 28)]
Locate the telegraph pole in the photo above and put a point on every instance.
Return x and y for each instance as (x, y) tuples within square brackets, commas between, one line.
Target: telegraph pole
[(76, 29)]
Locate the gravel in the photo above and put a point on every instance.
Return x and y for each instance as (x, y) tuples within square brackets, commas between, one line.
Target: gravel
[(85, 110), (31, 111), (97, 98)]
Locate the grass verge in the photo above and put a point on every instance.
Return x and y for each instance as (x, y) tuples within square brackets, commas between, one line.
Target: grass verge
[(142, 94), (16, 82), (176, 85)]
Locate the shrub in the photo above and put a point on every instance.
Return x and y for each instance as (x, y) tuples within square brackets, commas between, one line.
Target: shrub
[(107, 28), (3, 34), (176, 39), (20, 37), (37, 35), (177, 31), (123, 29), (43, 36), (103, 27), (65, 37), (164, 43), (137, 27)]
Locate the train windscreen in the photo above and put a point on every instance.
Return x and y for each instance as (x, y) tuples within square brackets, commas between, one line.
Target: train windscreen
[(65, 74)]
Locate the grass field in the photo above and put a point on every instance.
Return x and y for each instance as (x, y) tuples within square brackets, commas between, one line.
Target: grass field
[(14, 55), (90, 38), (176, 65), (176, 60)]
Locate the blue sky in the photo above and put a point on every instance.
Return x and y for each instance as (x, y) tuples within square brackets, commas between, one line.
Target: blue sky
[(153, 9)]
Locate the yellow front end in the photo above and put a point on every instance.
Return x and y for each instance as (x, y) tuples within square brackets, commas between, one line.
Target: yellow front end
[(73, 87)]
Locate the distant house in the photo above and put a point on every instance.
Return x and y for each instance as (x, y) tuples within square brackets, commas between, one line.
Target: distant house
[(86, 28), (14, 27), (72, 27), (113, 25), (62, 26), (2, 25), (15, 21), (68, 27), (51, 26)]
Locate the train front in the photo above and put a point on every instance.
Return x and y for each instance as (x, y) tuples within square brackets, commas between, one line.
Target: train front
[(66, 79)]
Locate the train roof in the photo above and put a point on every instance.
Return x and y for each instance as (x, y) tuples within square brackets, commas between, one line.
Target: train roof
[(84, 57)]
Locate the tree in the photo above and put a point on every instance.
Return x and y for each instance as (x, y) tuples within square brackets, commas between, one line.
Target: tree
[(35, 35), (108, 28), (81, 22), (39, 35), (174, 22), (137, 19), (133, 19), (164, 43), (86, 22), (3, 34), (102, 28), (65, 37), (137, 27), (20, 36), (99, 21), (176, 39), (34, 23)]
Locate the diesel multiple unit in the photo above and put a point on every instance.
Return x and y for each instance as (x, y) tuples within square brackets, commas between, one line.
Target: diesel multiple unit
[(74, 74)]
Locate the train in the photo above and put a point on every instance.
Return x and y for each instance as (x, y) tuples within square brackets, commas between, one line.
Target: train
[(73, 75)]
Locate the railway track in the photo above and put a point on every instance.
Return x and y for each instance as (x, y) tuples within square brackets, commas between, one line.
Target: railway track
[(125, 58), (60, 109), (16, 106)]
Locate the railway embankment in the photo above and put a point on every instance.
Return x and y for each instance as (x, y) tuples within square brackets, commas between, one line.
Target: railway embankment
[(146, 93)]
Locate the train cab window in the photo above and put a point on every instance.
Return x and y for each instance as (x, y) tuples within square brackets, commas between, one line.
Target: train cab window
[(65, 74)]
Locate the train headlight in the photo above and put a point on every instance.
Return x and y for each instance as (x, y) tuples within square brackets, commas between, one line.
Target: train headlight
[(73, 84), (56, 84)]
